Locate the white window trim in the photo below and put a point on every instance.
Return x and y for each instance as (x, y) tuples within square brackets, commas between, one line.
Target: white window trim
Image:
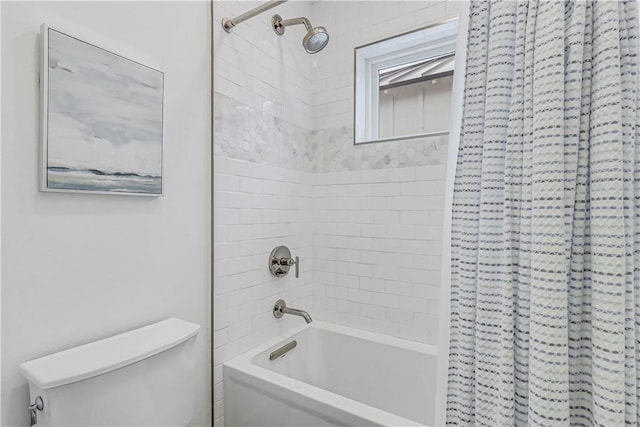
[(428, 42)]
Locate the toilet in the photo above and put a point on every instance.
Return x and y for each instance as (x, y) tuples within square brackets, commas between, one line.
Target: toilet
[(144, 377)]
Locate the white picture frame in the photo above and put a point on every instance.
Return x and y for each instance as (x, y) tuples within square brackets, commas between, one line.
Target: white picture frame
[(102, 119)]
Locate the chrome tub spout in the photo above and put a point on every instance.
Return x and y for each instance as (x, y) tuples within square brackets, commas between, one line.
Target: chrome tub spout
[(280, 309)]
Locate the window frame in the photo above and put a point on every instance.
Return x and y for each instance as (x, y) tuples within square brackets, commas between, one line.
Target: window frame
[(430, 41)]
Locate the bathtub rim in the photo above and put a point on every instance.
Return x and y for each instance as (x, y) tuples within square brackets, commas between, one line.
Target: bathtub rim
[(243, 364), (429, 349)]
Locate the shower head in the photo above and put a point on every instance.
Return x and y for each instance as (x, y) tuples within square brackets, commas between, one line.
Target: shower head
[(314, 41)]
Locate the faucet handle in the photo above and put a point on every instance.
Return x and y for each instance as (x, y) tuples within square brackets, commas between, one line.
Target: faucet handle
[(280, 261), (297, 267)]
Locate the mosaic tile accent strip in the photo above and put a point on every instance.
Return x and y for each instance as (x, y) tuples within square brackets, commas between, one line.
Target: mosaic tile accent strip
[(333, 150), (246, 133)]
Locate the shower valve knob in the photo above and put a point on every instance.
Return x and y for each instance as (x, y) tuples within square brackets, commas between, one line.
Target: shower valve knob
[(280, 262)]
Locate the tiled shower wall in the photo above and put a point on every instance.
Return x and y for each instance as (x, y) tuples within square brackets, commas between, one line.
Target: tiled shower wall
[(378, 207), (263, 119), (377, 245), (365, 220), (263, 103), (257, 207)]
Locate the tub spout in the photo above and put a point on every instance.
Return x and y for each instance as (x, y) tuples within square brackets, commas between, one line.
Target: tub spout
[(280, 309), (297, 312)]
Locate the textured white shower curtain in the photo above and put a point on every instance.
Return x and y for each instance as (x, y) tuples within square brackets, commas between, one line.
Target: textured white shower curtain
[(545, 307)]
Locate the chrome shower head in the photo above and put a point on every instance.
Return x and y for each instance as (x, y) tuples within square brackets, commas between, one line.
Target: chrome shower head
[(314, 41)]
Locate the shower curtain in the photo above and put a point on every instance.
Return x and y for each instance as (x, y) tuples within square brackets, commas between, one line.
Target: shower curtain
[(545, 302)]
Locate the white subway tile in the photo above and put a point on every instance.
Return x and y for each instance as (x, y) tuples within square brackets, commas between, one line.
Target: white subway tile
[(386, 217), (226, 250), (349, 229), (360, 217), (398, 288), (361, 190), (362, 243), (417, 188), (345, 306), (384, 272), (385, 300), (373, 176), (338, 216), (401, 231), (348, 255), (388, 189), (373, 230), (373, 311), (221, 268), (361, 270), (426, 291), (429, 232), (240, 329), (425, 321), (412, 275), (337, 292), (427, 262), (400, 316), (430, 173), (250, 185), (372, 284), (358, 295), (221, 337), (401, 203), (224, 182), (226, 87), (338, 267), (249, 216), (337, 241), (429, 203), (217, 374), (238, 200), (238, 232), (401, 174)]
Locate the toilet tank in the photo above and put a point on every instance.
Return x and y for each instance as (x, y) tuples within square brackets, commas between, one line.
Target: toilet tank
[(143, 377)]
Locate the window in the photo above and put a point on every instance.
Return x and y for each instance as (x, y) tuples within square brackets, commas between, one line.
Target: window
[(403, 84)]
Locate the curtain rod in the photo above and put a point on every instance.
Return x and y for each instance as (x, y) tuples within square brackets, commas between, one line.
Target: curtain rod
[(229, 23)]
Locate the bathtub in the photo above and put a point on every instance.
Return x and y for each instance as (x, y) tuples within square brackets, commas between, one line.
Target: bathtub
[(335, 376)]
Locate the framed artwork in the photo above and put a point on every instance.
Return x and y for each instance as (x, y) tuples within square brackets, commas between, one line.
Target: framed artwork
[(102, 120)]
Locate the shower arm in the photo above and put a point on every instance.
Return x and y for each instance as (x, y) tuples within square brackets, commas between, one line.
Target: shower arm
[(229, 23), (294, 21)]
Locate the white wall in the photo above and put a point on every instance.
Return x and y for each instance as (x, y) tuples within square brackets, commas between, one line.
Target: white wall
[(377, 245), (76, 268)]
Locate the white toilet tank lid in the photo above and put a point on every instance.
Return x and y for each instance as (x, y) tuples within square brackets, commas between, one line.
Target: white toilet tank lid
[(100, 357)]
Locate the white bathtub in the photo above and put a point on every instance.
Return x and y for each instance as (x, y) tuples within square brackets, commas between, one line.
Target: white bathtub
[(336, 376)]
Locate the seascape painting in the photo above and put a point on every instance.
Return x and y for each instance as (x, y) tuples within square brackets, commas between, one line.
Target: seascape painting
[(103, 129)]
